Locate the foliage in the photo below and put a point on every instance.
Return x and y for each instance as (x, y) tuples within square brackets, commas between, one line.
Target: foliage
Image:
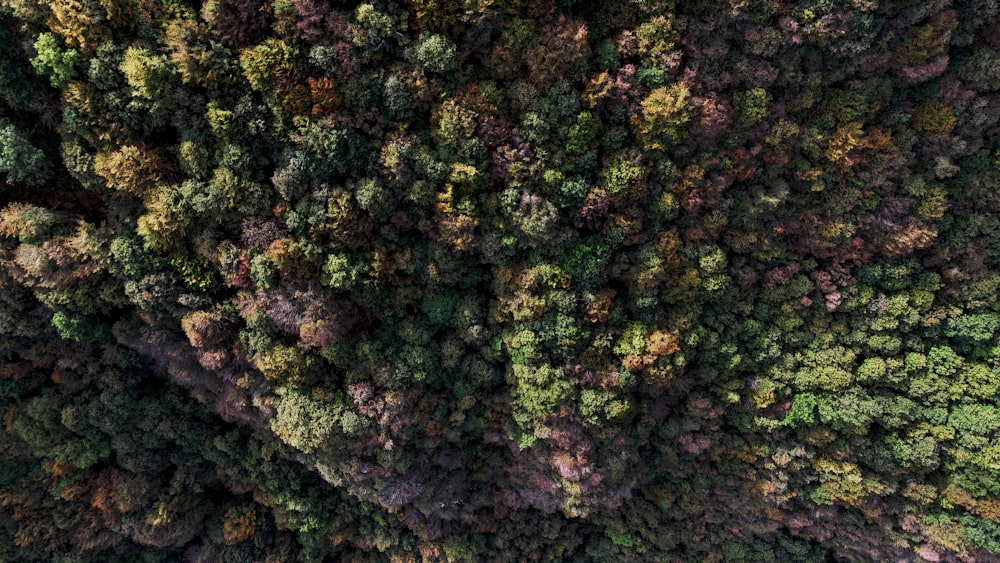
[(59, 65), (21, 161), (499, 280)]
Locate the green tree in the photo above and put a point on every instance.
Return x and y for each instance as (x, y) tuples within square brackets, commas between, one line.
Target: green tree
[(58, 64), (152, 75), (436, 53), (752, 106), (341, 272), (802, 411), (540, 390), (73, 327), (374, 32), (304, 423), (976, 328), (21, 161)]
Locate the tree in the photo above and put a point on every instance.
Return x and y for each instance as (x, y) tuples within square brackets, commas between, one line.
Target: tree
[(240, 524), (802, 411), (265, 64), (437, 16), (435, 53), (73, 327), (976, 328), (752, 107), (81, 23), (562, 45), (288, 365), (537, 218), (60, 65), (205, 329), (853, 409), (656, 41), (665, 115), (336, 151), (21, 161), (304, 423), (326, 97), (151, 75), (40, 424), (539, 391), (239, 23), (136, 170), (341, 272), (197, 60), (374, 198), (622, 175), (374, 32)]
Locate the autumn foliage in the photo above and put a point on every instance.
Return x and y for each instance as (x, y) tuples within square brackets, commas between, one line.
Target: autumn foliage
[(499, 280)]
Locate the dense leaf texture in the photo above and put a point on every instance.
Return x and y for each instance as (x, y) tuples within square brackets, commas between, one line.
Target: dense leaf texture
[(508, 280)]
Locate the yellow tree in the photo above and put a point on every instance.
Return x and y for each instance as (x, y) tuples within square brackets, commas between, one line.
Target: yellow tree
[(665, 116)]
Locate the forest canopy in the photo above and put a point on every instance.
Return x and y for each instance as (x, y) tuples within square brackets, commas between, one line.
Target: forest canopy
[(499, 280)]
